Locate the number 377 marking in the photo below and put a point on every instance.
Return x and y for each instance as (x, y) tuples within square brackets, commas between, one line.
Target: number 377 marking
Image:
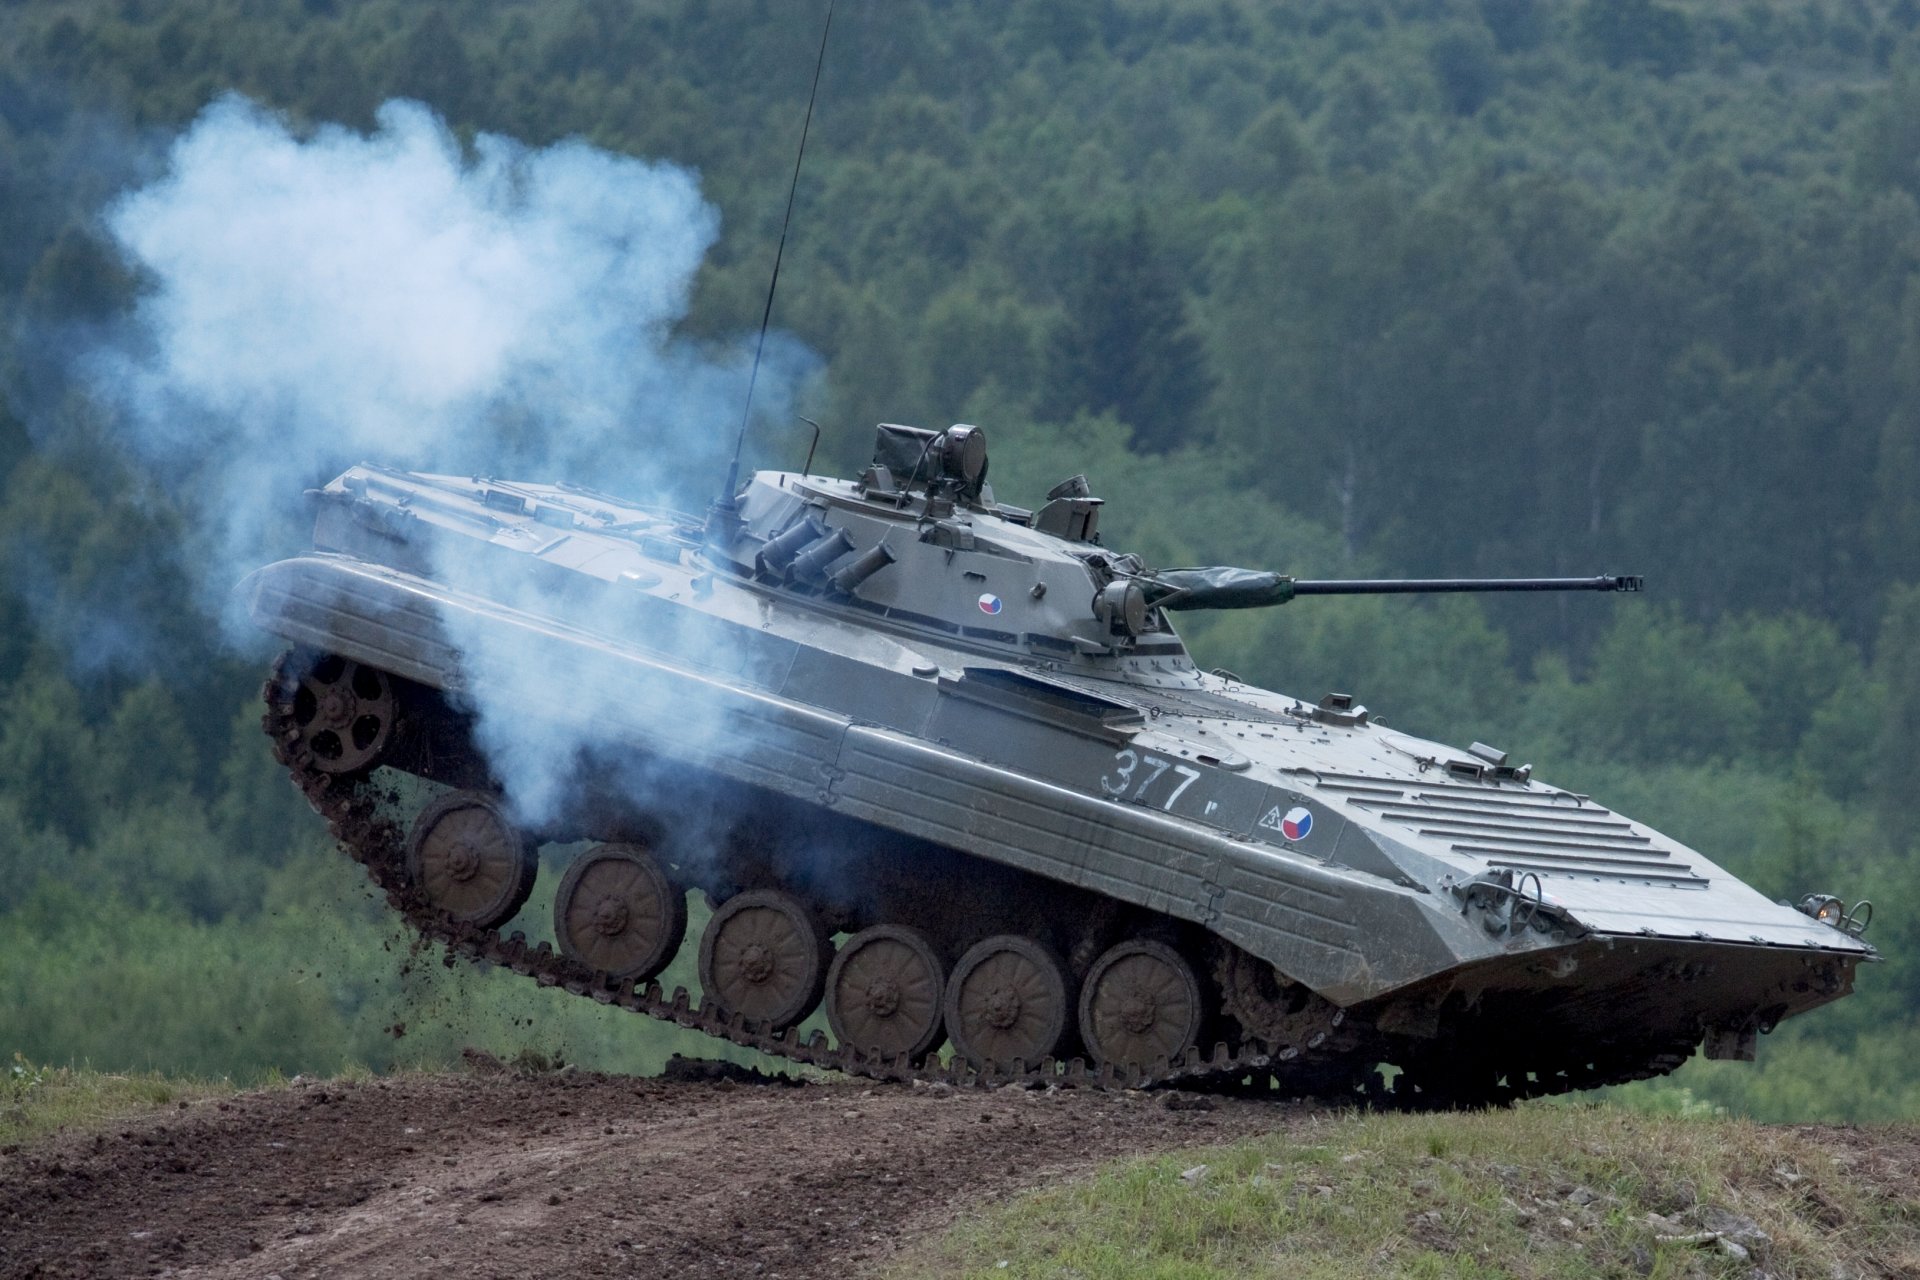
[(1121, 784)]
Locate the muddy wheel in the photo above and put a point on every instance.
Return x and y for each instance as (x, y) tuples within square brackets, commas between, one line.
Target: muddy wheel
[(617, 912), (1008, 998), (884, 992), (344, 713), (469, 860), (1140, 1005), (764, 956)]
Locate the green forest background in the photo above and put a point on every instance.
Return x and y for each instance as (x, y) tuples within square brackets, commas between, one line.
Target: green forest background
[(1333, 286)]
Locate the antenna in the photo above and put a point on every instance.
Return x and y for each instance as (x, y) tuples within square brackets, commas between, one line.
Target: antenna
[(806, 468), (726, 503)]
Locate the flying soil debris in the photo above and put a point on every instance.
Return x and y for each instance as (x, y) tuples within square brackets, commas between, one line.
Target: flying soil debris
[(965, 739)]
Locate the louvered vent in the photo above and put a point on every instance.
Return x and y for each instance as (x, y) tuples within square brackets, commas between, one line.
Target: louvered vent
[(1527, 831)]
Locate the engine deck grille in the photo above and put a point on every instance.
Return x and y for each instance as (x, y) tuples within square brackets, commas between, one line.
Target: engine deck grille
[(1547, 833)]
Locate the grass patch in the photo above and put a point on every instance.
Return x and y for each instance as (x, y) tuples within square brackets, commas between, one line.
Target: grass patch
[(37, 1101), (1537, 1191)]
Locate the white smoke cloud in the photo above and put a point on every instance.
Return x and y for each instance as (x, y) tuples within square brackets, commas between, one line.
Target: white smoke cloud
[(391, 297), (321, 300)]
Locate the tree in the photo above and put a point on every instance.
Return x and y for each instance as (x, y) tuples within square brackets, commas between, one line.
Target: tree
[(1274, 151), (1896, 668), (1358, 124), (1895, 520), (1517, 25), (966, 339), (1628, 32), (432, 65), (146, 756), (1886, 149), (46, 754), (1652, 700), (1124, 343), (77, 279), (1465, 67)]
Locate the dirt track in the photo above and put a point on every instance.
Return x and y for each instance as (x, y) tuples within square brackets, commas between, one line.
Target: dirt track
[(557, 1176)]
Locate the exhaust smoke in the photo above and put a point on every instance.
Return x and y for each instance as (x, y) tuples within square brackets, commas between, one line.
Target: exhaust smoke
[(314, 300)]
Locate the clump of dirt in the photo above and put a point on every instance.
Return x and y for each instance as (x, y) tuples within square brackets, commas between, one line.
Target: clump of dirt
[(507, 1172), (684, 1070)]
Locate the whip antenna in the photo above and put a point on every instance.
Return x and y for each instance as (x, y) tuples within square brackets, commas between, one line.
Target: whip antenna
[(766, 317)]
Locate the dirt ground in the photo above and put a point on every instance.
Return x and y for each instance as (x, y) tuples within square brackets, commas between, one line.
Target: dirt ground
[(493, 1174)]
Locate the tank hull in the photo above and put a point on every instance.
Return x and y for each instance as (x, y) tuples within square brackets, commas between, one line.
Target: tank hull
[(1018, 768)]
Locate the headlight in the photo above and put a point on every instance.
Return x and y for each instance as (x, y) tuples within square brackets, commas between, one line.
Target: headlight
[(1833, 912)]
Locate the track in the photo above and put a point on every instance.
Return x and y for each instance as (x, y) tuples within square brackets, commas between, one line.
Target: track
[(1326, 1057)]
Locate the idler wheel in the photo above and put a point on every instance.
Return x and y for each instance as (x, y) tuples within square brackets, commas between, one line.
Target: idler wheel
[(469, 860), (884, 992), (617, 912), (344, 712), (1008, 998), (1140, 1005), (764, 956)]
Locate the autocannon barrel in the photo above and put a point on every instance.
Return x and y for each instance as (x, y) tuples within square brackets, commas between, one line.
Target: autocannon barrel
[(1423, 586), (1221, 587)]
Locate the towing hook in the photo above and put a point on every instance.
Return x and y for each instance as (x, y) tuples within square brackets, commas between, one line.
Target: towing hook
[(1511, 903)]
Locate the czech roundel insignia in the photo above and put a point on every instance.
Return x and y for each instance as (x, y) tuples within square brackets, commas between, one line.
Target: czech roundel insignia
[(1297, 823), (990, 603)]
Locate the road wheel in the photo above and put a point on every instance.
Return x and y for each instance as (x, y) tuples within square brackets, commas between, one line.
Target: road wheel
[(469, 860), (764, 956), (1140, 1005), (617, 912), (884, 992), (1008, 998)]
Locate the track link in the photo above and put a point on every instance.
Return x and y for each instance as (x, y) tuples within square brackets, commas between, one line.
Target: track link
[(1339, 1068)]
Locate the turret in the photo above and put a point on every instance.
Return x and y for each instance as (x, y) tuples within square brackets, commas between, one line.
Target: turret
[(920, 539)]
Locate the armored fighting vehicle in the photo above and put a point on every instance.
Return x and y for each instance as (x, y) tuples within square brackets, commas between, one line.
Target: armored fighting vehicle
[(943, 768)]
